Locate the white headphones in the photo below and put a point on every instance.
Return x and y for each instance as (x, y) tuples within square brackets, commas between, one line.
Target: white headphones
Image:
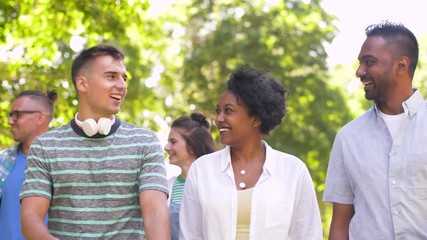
[(91, 127)]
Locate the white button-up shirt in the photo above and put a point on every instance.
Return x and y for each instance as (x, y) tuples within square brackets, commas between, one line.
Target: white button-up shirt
[(284, 204)]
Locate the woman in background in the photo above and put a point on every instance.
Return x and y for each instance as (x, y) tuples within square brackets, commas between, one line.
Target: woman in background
[(189, 138), (249, 190)]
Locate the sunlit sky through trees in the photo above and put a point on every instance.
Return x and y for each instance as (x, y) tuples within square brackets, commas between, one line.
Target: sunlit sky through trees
[(353, 16)]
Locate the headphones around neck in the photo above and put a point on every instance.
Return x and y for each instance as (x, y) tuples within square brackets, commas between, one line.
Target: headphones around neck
[(91, 127)]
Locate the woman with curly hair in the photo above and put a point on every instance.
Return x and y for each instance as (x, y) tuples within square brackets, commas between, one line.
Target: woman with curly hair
[(249, 190)]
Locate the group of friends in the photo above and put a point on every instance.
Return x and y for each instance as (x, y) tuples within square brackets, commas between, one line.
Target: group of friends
[(98, 177)]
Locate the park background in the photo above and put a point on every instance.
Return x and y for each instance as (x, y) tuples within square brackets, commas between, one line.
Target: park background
[(180, 53)]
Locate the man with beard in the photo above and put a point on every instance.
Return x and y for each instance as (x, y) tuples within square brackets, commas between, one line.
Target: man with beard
[(377, 173)]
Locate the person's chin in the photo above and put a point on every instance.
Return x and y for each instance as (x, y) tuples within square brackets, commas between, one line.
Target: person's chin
[(369, 96), (115, 110), (224, 141)]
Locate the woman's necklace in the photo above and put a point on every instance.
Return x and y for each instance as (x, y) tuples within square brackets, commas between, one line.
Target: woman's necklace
[(242, 183), (244, 174)]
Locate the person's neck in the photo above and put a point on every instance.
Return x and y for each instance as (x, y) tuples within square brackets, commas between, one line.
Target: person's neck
[(25, 148), (248, 153), (393, 105), (183, 174), (184, 169)]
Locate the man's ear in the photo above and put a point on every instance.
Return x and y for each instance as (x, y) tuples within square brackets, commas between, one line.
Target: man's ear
[(403, 65), (42, 118), (81, 84)]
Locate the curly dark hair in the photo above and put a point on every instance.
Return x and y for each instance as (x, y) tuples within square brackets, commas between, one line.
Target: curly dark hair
[(264, 96), (196, 133), (400, 39)]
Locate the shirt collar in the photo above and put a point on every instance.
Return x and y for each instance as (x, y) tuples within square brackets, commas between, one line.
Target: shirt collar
[(411, 105), (414, 103)]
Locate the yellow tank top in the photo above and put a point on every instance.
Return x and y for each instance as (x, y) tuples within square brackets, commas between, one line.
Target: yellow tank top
[(244, 202)]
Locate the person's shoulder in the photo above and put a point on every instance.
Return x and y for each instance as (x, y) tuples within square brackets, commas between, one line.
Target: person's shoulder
[(8, 151), (360, 122), (285, 165), (207, 164), (136, 134), (208, 159), (57, 132), (132, 128), (124, 124), (127, 125), (212, 155)]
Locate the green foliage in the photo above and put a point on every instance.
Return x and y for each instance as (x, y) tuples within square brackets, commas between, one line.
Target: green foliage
[(420, 78), (287, 39), (36, 42)]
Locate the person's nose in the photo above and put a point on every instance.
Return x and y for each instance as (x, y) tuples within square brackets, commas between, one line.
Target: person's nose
[(219, 119), (10, 121), (360, 72), (121, 84)]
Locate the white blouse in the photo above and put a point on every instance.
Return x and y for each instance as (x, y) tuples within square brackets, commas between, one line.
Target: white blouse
[(284, 204)]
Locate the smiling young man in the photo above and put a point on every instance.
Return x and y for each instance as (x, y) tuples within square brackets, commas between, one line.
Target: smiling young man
[(97, 177), (29, 117), (377, 174)]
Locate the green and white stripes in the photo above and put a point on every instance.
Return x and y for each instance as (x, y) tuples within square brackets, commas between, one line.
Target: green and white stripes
[(94, 184)]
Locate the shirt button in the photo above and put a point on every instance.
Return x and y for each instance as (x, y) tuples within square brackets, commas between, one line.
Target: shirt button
[(396, 212), (393, 182)]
